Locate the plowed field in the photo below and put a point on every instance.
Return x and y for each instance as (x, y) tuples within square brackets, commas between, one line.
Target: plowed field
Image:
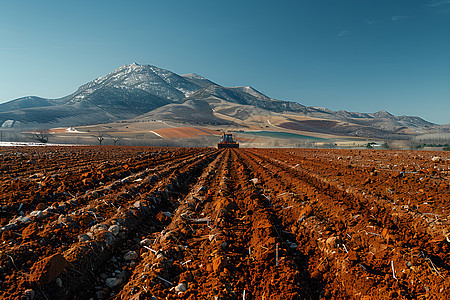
[(199, 223)]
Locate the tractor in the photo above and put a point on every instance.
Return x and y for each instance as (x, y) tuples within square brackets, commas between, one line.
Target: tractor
[(227, 141)]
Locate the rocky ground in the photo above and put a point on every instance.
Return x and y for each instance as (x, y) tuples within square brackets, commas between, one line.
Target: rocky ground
[(199, 223)]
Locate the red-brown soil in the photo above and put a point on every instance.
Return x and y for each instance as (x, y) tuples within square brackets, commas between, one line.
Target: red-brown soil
[(199, 223), (184, 132)]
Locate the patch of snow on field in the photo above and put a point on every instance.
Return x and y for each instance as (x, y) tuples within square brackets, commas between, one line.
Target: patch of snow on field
[(156, 134), (71, 129), (27, 144)]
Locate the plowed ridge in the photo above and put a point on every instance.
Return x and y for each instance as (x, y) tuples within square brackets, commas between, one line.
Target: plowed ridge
[(199, 223)]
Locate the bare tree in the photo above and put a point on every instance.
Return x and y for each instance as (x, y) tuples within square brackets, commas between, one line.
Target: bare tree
[(100, 137), (115, 140), (41, 136)]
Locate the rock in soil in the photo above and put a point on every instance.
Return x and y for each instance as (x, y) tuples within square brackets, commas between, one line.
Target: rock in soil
[(113, 282), (130, 255)]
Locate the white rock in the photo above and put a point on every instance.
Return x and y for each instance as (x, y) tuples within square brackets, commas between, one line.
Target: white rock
[(101, 294), (114, 229), (24, 220), (130, 255), (99, 227), (29, 294), (113, 282), (37, 213), (180, 288), (59, 282)]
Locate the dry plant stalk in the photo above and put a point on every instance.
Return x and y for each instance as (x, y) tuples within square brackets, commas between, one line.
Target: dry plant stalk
[(276, 255), (393, 271)]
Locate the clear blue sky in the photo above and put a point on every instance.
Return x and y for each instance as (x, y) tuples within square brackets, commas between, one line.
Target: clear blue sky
[(356, 55)]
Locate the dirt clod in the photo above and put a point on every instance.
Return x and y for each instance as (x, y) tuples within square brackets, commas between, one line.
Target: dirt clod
[(48, 269)]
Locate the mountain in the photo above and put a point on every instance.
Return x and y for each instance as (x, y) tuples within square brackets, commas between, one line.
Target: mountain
[(127, 92), (57, 115), (244, 96), (145, 92), (25, 102), (155, 81), (122, 102)]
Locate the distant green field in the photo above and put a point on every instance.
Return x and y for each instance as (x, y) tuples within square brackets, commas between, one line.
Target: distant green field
[(283, 135)]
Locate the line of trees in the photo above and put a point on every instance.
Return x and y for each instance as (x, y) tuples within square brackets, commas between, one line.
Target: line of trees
[(437, 140)]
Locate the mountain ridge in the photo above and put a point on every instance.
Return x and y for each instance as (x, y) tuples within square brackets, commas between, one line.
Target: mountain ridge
[(134, 91)]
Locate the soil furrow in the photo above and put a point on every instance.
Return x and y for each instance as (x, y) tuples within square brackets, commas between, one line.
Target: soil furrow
[(198, 223), (348, 231), (62, 233)]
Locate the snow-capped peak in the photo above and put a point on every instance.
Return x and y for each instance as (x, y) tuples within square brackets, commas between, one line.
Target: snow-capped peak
[(148, 78)]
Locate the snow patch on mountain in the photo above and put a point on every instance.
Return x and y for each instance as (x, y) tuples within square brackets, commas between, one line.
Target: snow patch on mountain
[(251, 91), (193, 75)]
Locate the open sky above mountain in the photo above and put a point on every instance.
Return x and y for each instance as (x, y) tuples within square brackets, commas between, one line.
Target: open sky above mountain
[(356, 55)]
